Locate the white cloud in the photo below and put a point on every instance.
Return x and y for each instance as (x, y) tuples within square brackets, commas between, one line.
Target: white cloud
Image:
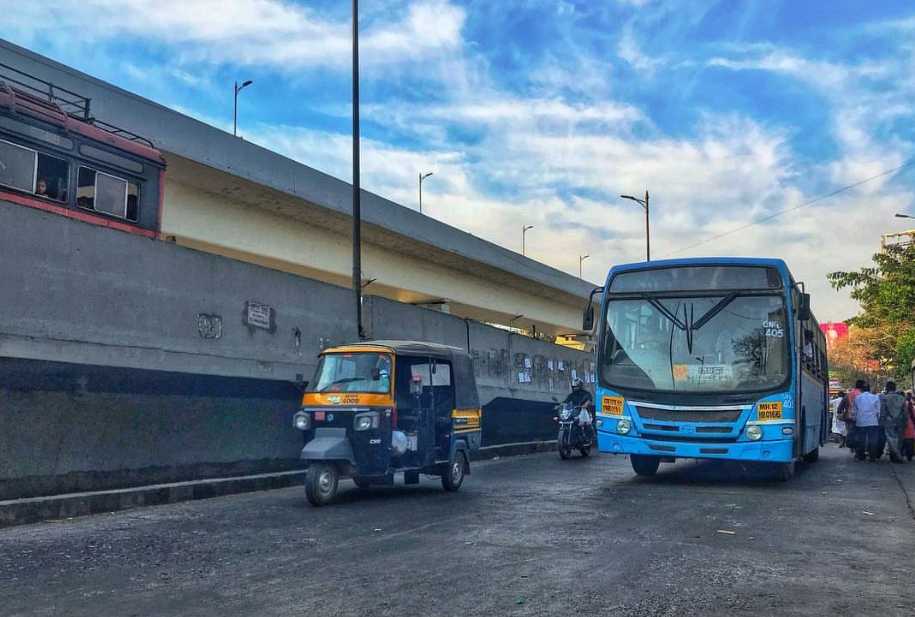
[(275, 33)]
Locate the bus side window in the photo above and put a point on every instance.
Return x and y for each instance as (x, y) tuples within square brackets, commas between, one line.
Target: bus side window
[(52, 178), (96, 190)]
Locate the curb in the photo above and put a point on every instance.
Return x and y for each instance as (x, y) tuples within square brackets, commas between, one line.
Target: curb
[(36, 509)]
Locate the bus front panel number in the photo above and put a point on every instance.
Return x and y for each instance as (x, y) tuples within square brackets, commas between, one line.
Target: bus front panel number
[(771, 410), (612, 405), (773, 329)]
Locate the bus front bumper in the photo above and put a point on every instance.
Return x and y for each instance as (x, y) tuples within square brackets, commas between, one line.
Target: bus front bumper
[(775, 451)]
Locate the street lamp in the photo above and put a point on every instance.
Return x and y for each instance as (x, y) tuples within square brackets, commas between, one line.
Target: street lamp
[(581, 258), (357, 205), (238, 89), (644, 204), (904, 216), (524, 233), (422, 176)]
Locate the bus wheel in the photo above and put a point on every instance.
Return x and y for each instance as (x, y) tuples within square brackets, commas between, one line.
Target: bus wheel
[(321, 483), (785, 471), (644, 465), (812, 456)]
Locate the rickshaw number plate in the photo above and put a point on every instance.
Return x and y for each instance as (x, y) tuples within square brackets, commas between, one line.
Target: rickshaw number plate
[(319, 416)]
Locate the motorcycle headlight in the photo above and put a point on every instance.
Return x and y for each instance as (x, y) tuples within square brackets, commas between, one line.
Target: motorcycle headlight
[(301, 421), (365, 421), (754, 433), (565, 413), (623, 427)]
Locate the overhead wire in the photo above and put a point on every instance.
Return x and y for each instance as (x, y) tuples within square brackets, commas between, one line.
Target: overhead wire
[(810, 202)]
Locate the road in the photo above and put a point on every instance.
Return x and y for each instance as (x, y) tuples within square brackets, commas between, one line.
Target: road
[(525, 536)]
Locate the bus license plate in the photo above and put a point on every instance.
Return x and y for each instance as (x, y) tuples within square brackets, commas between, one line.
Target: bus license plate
[(612, 405), (769, 411)]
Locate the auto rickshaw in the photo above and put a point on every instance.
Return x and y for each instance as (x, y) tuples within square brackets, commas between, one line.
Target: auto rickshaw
[(382, 407)]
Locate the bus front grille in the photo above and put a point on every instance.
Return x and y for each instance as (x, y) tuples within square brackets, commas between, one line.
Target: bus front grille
[(672, 415)]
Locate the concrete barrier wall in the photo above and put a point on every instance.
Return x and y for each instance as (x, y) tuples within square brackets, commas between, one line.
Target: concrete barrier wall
[(125, 360)]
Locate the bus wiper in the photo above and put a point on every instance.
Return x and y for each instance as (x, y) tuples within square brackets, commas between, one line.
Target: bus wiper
[(666, 312), (713, 311)]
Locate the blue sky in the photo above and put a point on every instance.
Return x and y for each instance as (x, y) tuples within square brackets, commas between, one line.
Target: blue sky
[(543, 112)]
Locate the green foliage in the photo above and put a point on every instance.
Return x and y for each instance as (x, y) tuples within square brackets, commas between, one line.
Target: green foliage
[(886, 292)]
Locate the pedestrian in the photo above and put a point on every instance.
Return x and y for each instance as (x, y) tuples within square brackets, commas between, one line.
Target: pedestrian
[(894, 413), (838, 425), (847, 415), (908, 436), (867, 425)]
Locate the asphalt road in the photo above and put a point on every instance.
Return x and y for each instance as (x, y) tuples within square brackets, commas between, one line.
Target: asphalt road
[(525, 536)]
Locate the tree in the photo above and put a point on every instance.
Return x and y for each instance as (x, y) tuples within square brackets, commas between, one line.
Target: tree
[(886, 293)]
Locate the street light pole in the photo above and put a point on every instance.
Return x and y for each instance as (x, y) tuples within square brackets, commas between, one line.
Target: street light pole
[(357, 210), (238, 89), (899, 215), (581, 258), (524, 229), (644, 204), (422, 176)]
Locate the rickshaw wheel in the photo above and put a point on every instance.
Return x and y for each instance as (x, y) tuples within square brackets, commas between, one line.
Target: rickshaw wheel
[(321, 483), (453, 476)]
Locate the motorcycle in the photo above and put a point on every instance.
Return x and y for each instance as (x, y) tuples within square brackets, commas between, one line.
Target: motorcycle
[(576, 430)]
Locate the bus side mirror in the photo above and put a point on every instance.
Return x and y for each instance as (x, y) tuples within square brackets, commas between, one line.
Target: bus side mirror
[(587, 319), (803, 307)]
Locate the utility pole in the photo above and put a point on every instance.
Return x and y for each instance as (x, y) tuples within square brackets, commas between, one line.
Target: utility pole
[(644, 204), (524, 229), (357, 210), (235, 106), (422, 176), (581, 258)]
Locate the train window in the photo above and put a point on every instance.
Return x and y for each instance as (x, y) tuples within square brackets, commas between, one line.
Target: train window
[(109, 194), (51, 181), (17, 166)]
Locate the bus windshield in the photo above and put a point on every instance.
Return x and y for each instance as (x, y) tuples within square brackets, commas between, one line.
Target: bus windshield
[(353, 372), (719, 343)]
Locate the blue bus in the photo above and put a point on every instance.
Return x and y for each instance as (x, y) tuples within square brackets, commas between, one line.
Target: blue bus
[(709, 358)]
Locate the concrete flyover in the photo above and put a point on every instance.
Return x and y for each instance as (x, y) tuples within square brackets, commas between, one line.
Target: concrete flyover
[(231, 197), (127, 360)]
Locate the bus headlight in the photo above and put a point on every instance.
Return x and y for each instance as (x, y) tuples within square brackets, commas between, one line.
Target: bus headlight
[(623, 427), (754, 433), (301, 421)]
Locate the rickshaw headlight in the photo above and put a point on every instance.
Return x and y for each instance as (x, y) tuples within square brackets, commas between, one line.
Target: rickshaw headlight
[(623, 427), (754, 433), (301, 421), (365, 421)]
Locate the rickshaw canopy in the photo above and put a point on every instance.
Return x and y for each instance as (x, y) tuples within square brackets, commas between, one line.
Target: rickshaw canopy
[(465, 389)]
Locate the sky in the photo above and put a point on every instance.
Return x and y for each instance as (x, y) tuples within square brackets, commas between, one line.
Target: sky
[(543, 112)]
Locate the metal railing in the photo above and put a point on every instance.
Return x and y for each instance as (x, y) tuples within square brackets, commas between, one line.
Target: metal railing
[(68, 102)]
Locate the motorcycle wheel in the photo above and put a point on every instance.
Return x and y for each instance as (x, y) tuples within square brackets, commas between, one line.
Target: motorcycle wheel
[(585, 451), (562, 444)]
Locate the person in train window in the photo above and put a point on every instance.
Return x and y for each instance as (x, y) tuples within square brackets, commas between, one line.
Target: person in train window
[(41, 187)]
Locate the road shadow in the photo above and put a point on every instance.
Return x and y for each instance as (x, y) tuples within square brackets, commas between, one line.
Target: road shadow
[(722, 473)]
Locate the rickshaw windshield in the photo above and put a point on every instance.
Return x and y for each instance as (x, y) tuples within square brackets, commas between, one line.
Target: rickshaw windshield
[(353, 372)]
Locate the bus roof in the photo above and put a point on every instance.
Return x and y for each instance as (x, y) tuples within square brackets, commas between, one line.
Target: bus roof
[(701, 261)]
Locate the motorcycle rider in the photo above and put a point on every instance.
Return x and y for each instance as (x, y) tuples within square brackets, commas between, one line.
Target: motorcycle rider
[(579, 396)]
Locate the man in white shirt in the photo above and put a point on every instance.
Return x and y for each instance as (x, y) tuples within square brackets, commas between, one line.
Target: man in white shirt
[(867, 425)]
